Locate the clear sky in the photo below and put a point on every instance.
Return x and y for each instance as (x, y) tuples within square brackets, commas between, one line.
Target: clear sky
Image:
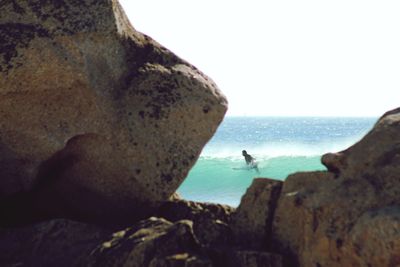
[(285, 57)]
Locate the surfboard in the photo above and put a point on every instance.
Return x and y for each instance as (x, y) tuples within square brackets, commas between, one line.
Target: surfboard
[(242, 168), (253, 165)]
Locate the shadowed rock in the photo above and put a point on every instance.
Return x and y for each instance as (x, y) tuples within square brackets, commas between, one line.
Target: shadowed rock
[(252, 221), (98, 122), (60, 243), (152, 242), (245, 258), (211, 222)]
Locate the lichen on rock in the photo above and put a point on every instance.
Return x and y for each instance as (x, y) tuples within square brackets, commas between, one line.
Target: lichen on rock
[(98, 122)]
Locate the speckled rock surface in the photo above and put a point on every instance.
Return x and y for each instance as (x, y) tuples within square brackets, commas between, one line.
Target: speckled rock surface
[(348, 216), (376, 239), (97, 121)]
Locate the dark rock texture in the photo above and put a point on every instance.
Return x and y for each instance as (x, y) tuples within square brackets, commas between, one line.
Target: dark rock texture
[(153, 242), (204, 241), (252, 221), (244, 258), (97, 120), (53, 243), (210, 221)]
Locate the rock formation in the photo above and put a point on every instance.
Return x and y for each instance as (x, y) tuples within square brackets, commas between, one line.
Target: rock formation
[(346, 216), (61, 243), (98, 122), (152, 242), (351, 215), (210, 221)]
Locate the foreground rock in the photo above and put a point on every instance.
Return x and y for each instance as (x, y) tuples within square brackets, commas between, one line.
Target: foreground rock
[(252, 221), (349, 216), (211, 222), (54, 243), (97, 120), (148, 243), (153, 242)]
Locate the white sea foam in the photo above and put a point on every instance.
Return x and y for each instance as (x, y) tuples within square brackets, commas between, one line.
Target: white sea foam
[(273, 150)]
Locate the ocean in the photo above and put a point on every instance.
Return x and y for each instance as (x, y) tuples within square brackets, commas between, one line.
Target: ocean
[(281, 146)]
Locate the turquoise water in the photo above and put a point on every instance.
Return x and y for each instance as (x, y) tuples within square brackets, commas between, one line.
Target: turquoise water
[(280, 145)]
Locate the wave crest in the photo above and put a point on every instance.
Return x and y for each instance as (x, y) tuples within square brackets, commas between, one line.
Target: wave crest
[(266, 151)]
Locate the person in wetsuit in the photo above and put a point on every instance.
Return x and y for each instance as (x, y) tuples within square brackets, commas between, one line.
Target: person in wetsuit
[(248, 158), (250, 161)]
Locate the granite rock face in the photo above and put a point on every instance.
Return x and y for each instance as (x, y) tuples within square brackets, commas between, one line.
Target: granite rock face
[(98, 122), (348, 216)]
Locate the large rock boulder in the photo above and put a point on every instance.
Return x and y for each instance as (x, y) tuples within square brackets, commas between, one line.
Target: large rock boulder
[(98, 122), (348, 216)]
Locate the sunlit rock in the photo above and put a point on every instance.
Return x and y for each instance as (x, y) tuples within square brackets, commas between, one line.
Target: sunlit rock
[(350, 216), (98, 122)]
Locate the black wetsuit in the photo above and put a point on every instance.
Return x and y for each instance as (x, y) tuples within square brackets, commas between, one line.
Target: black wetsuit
[(249, 159)]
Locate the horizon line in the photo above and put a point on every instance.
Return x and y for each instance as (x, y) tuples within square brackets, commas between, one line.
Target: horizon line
[(303, 116)]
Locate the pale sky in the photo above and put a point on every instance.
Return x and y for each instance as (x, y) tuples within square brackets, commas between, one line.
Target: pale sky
[(285, 57)]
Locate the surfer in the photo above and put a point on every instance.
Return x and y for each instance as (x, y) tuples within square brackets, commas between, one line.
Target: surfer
[(250, 161)]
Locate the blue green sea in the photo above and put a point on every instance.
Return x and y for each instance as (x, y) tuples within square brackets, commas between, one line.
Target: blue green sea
[(281, 145)]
